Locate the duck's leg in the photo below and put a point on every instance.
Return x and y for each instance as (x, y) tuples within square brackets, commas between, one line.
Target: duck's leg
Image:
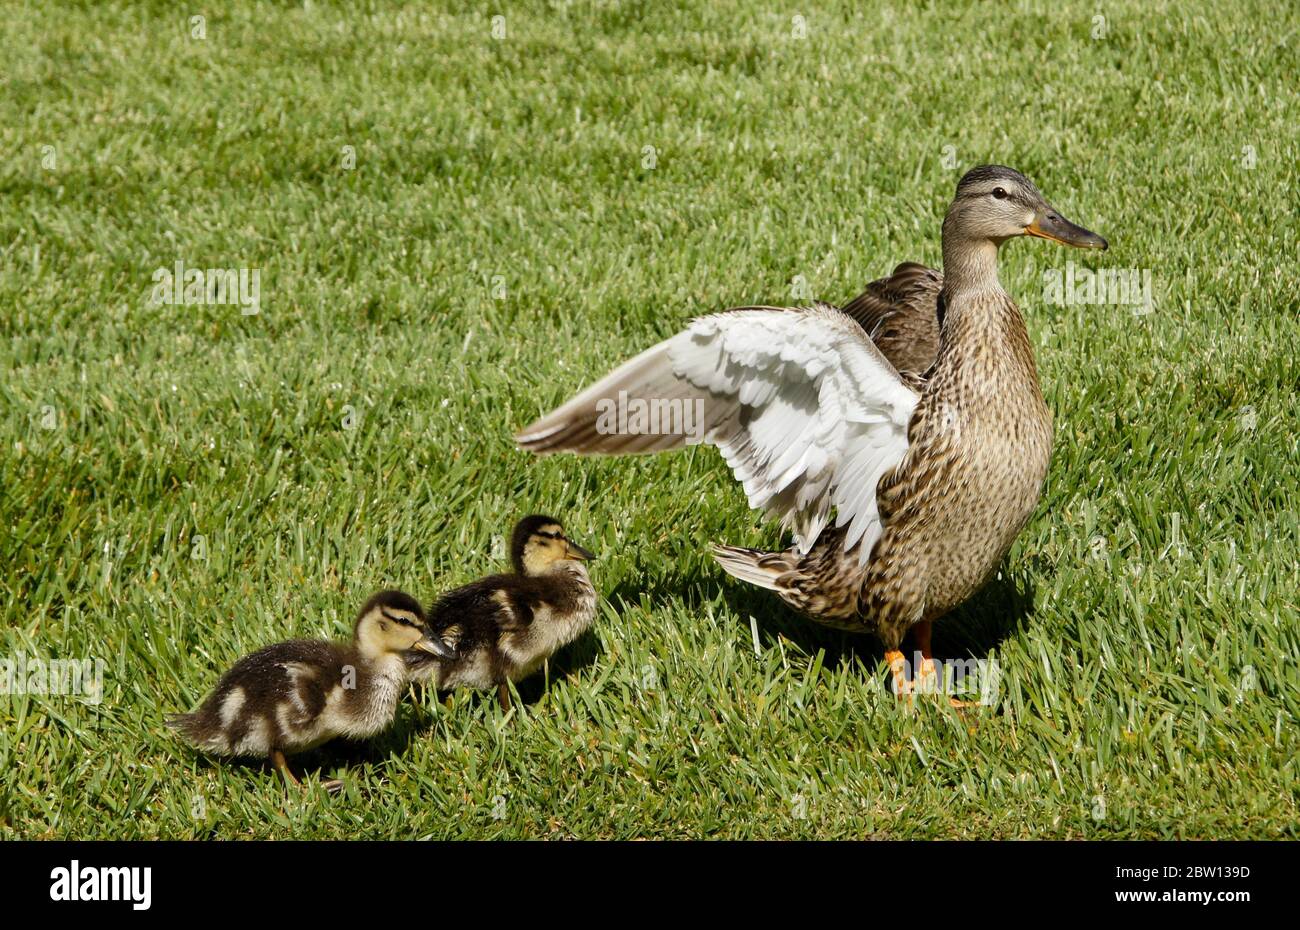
[(898, 667), (927, 675), (503, 695), (282, 766)]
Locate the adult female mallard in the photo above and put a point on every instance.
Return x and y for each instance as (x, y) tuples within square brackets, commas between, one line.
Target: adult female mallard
[(914, 412)]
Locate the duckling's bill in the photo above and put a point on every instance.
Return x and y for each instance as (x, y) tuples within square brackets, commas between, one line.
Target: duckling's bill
[(573, 551), (435, 647)]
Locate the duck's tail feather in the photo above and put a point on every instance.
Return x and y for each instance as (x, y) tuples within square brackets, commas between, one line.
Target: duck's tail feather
[(753, 565)]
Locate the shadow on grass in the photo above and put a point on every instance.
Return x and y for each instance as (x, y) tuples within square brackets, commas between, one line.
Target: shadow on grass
[(337, 758), (995, 613)]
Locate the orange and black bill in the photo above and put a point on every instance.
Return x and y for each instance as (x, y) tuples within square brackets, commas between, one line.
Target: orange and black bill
[(1048, 224)]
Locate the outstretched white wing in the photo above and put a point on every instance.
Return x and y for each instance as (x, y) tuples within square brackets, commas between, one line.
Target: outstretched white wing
[(802, 405)]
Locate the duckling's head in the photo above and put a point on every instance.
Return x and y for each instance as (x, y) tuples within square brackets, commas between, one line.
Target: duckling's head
[(539, 543), (995, 203), (393, 622)]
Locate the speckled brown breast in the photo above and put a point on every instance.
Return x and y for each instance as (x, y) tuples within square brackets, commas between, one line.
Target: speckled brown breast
[(979, 445)]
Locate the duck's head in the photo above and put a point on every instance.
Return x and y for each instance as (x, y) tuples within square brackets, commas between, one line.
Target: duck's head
[(539, 543), (393, 622), (995, 203)]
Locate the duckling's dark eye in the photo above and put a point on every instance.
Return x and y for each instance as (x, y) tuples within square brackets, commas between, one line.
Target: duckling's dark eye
[(999, 193), (396, 618)]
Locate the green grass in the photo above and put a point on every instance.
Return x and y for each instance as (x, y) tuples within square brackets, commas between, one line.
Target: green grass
[(1162, 680)]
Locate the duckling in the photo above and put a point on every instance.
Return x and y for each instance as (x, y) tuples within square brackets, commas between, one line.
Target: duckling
[(296, 695), (501, 628)]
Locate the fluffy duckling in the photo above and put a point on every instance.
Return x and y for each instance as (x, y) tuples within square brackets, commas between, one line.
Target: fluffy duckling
[(296, 695), (501, 628)]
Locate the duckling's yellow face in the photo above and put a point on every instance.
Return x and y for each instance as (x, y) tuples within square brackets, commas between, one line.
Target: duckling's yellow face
[(386, 629), (546, 545)]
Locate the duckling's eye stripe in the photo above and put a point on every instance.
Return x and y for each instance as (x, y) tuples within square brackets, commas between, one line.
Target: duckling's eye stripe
[(397, 618), (545, 535)]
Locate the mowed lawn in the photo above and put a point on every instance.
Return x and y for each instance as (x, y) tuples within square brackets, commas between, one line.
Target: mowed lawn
[(457, 223)]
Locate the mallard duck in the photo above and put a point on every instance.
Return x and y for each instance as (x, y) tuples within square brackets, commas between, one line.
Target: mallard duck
[(914, 413), (296, 695), (501, 628)]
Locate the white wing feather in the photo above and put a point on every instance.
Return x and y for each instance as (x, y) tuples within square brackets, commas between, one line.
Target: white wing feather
[(805, 409)]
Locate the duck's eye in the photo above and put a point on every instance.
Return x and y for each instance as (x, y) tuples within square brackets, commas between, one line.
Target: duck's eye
[(999, 193), (396, 618)]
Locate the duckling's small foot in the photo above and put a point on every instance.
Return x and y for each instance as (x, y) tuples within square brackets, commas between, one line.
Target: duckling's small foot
[(282, 766), (503, 695), (333, 785)]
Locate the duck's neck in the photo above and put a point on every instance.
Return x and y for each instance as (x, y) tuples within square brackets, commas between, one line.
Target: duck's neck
[(380, 661), (977, 314), (970, 265), (559, 567), (971, 289)]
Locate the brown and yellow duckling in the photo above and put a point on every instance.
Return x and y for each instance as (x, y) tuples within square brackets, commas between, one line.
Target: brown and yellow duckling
[(296, 695), (913, 415), (501, 629)]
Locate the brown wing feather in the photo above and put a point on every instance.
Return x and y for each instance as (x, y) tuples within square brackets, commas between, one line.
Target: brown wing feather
[(900, 314)]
